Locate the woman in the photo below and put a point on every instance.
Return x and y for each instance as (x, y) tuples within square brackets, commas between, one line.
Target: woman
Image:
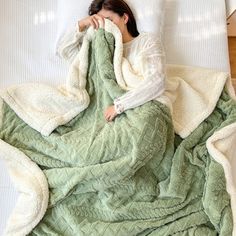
[(143, 51)]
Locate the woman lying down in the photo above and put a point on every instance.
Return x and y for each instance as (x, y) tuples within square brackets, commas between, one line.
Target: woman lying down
[(143, 51), (141, 178), (131, 176)]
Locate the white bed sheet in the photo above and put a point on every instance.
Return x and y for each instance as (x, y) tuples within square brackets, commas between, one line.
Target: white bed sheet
[(28, 33)]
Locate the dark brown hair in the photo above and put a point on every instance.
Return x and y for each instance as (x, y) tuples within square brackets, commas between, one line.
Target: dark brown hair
[(117, 6)]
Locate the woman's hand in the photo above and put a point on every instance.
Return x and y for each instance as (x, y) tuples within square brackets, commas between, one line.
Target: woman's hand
[(110, 113), (91, 20)]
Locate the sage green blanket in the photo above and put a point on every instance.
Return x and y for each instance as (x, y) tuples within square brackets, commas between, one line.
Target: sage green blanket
[(133, 176)]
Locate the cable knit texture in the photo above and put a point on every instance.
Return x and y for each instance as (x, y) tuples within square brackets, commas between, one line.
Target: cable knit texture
[(143, 58), (132, 176)]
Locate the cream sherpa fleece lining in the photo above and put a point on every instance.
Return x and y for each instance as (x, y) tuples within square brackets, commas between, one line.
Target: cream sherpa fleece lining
[(32, 185), (222, 147), (186, 95), (28, 179)]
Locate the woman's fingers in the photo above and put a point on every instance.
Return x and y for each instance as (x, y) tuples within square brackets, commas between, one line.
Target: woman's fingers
[(110, 113), (99, 18), (91, 21), (106, 114), (109, 117), (94, 23), (96, 18)]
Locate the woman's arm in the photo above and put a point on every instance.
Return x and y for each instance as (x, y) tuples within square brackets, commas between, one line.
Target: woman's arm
[(153, 85), (70, 44)]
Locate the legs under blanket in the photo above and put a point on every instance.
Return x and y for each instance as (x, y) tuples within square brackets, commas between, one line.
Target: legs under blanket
[(133, 176), (151, 184)]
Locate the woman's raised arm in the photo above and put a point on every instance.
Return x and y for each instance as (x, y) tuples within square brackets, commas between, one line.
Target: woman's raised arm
[(70, 44)]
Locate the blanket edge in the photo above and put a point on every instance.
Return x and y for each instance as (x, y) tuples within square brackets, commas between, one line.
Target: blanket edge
[(25, 174)]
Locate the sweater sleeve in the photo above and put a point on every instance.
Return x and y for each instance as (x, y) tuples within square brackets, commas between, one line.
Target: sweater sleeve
[(153, 71), (70, 44)]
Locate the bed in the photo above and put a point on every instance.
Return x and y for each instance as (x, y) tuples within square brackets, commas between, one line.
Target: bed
[(28, 33)]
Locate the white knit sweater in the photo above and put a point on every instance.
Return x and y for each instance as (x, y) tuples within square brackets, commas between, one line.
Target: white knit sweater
[(146, 57)]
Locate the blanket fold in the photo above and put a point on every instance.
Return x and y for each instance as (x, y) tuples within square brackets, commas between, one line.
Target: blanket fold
[(136, 175), (45, 107)]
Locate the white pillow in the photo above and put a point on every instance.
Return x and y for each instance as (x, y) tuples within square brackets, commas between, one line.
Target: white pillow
[(149, 15)]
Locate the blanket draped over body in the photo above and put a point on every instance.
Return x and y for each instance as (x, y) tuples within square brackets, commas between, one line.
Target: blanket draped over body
[(132, 176)]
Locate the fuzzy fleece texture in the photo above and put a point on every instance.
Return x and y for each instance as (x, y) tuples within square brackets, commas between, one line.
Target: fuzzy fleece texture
[(45, 109)]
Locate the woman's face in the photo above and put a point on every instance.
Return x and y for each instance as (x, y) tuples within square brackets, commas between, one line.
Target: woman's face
[(120, 21)]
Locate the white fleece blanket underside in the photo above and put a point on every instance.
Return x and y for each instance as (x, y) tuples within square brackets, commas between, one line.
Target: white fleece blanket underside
[(191, 94)]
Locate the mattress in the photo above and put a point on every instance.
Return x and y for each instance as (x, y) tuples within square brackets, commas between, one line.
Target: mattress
[(28, 33)]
